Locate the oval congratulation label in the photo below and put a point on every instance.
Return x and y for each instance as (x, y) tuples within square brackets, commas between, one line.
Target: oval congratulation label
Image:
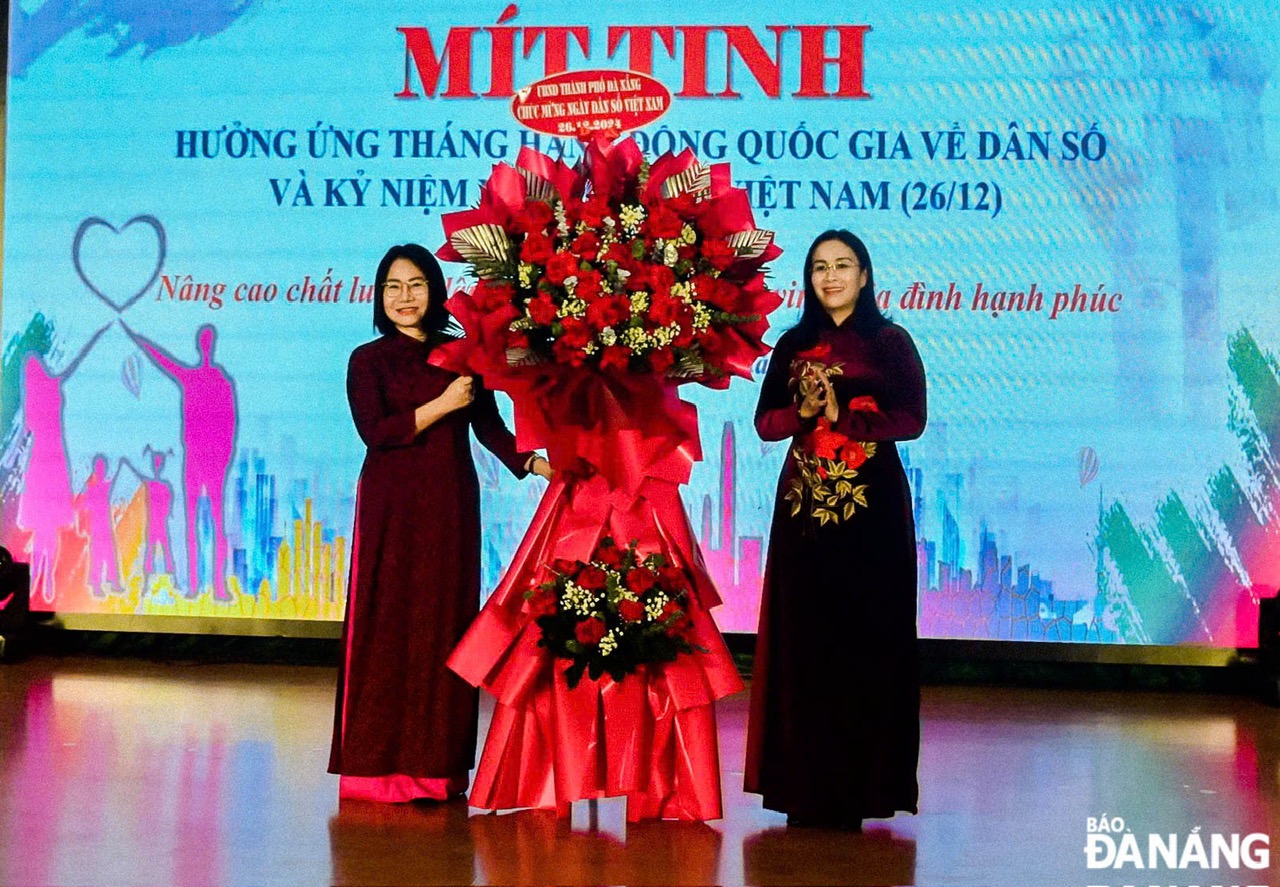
[(580, 103)]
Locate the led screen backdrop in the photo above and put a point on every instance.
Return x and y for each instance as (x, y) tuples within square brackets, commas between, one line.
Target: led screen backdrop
[(1071, 206)]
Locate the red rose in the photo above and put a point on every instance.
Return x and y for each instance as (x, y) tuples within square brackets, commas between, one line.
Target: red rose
[(827, 443), (608, 312), (535, 218), (713, 290), (864, 404), (537, 248), (589, 631), (661, 360), (680, 628), (517, 339), (616, 357), (560, 266), (493, 295), (542, 310), (673, 578), (610, 555), (670, 609), (577, 333), (586, 245), (564, 566), (719, 254), (660, 277), (566, 352), (589, 285), (663, 223), (543, 602), (663, 309), (593, 211), (620, 253), (632, 611), (852, 454), (641, 579), (818, 353), (593, 578)]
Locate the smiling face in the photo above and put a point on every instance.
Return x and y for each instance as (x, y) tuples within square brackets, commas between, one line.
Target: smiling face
[(837, 278), (404, 297)]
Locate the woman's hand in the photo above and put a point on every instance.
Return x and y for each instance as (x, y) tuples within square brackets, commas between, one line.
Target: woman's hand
[(819, 397), (458, 395), (540, 466), (831, 404), (814, 400)]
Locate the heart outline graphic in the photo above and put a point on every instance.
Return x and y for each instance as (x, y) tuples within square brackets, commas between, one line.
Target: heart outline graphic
[(94, 221)]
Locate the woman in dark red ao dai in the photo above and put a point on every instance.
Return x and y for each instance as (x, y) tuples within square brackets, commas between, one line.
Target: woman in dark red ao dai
[(404, 725), (834, 730)]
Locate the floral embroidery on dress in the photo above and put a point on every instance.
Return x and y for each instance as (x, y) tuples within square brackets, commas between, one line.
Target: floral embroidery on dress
[(827, 460)]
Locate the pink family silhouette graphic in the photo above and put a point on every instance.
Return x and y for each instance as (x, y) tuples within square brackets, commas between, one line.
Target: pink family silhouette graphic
[(208, 444), (65, 527), (48, 509), (159, 499), (93, 516), (45, 506)]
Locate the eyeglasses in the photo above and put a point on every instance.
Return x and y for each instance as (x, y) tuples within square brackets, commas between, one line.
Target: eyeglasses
[(396, 288), (839, 266)]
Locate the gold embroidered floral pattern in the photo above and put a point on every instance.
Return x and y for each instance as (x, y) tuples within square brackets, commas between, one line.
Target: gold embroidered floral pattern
[(827, 460)]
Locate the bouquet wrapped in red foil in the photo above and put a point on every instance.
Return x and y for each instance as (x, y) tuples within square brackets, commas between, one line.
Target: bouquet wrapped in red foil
[(600, 289)]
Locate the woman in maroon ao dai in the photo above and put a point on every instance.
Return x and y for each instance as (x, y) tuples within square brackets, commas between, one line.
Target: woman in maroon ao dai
[(834, 729), (404, 725)]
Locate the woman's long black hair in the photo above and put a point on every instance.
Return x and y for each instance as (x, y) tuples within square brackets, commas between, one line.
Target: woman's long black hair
[(437, 320), (867, 319)]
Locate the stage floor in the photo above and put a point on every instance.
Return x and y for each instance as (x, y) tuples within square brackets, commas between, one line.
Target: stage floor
[(122, 772)]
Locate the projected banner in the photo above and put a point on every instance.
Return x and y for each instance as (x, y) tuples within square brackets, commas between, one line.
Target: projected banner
[(1071, 209)]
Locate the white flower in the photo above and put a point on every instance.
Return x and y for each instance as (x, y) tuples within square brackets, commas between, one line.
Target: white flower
[(579, 600), (687, 234), (572, 308), (526, 275), (609, 336), (670, 254), (701, 316), (639, 303), (636, 339), (683, 292), (653, 609), (631, 215)]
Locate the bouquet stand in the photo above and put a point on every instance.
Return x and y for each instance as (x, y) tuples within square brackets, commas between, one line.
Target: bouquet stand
[(546, 329)]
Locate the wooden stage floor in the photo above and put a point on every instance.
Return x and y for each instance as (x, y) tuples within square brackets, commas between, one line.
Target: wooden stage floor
[(123, 772)]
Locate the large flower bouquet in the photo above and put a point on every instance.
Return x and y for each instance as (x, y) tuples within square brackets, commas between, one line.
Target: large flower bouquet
[(617, 264), (827, 461), (614, 613)]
